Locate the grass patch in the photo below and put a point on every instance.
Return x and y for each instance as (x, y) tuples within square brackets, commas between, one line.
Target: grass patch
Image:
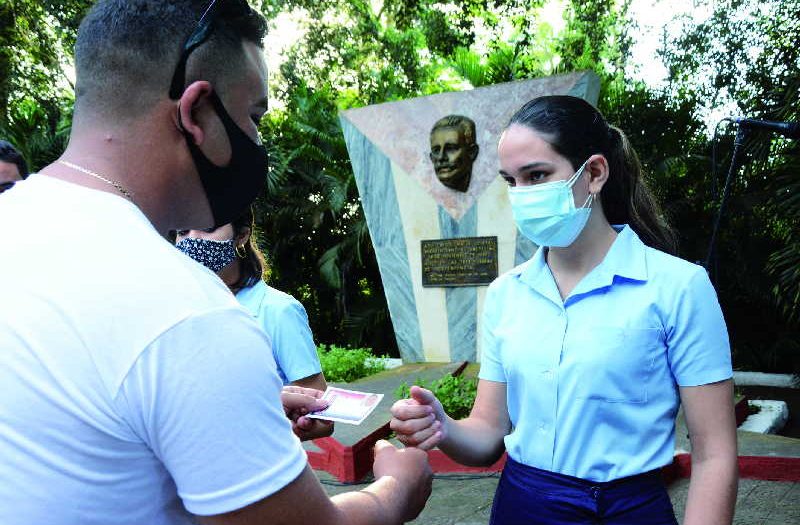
[(344, 365)]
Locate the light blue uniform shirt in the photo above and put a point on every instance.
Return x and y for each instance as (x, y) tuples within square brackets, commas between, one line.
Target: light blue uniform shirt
[(285, 321), (592, 382)]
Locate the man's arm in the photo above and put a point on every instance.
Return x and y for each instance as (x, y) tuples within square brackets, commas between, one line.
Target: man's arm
[(398, 494), (712, 431), (206, 399)]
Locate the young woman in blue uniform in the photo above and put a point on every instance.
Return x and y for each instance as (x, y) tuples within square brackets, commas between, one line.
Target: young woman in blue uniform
[(232, 253), (589, 348)]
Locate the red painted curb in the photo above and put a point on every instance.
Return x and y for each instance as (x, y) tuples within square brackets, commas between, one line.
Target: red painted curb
[(769, 468), (350, 464), (441, 464), (766, 468)]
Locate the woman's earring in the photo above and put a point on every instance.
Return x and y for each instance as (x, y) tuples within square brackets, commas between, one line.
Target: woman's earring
[(240, 251)]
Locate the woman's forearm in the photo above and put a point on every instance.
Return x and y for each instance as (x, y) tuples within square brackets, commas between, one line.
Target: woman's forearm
[(712, 491), (473, 441)]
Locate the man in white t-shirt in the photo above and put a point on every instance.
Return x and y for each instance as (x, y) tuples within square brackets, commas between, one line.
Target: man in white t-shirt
[(135, 390)]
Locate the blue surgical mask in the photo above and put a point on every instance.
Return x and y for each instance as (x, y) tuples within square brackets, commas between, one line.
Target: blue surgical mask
[(546, 213), (214, 255)]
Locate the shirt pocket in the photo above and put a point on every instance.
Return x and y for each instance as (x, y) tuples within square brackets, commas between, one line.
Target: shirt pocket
[(615, 364)]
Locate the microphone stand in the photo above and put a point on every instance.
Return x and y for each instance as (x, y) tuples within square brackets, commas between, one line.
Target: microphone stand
[(741, 135)]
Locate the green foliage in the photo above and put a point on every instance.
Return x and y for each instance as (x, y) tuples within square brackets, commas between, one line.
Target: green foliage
[(344, 365), (456, 393), (35, 42), (759, 248), (314, 229), (356, 52), (38, 131), (596, 37)]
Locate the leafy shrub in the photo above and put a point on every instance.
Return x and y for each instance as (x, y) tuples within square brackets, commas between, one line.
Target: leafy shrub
[(343, 365), (457, 393)]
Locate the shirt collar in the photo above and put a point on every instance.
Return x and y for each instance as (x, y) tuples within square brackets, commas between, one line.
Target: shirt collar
[(536, 274), (626, 259)]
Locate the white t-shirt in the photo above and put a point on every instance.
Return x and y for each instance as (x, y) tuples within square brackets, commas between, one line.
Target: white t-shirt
[(132, 384)]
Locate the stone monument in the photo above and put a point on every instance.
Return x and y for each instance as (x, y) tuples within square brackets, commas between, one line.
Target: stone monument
[(437, 210)]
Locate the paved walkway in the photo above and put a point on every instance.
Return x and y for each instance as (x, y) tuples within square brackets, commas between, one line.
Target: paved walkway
[(460, 499), (758, 502), (467, 499)]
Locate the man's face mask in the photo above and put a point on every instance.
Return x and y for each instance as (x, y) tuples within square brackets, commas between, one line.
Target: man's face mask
[(229, 189)]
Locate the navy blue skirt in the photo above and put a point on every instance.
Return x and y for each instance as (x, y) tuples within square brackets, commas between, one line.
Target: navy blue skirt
[(531, 496)]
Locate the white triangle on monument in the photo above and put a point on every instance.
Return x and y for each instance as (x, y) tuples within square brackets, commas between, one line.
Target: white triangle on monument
[(401, 131)]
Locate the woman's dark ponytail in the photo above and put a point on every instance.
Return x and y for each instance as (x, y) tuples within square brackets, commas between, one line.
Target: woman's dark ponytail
[(252, 264), (576, 130), (627, 199)]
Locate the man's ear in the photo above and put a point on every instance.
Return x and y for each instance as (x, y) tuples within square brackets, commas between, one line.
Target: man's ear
[(598, 173), (194, 98), (473, 151)]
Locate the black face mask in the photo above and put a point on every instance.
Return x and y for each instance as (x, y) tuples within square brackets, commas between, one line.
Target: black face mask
[(230, 189)]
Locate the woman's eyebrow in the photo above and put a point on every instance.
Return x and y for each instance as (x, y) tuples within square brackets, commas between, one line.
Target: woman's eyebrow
[(526, 167), (535, 165)]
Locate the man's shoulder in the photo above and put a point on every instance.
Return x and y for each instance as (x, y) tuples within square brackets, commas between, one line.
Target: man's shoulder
[(186, 280), (98, 258), (103, 282), (142, 267)]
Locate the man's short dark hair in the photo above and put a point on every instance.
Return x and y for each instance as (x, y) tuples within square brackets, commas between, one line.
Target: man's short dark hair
[(464, 124), (127, 50), (9, 153)]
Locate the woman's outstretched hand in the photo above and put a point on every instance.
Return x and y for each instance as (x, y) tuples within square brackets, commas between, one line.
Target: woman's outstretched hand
[(419, 421)]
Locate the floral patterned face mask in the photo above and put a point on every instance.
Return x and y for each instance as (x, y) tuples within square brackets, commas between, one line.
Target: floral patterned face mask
[(214, 255)]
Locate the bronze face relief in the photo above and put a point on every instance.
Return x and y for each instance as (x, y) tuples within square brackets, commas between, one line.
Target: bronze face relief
[(453, 150)]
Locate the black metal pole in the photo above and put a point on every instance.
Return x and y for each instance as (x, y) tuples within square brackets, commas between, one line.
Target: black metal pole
[(741, 135)]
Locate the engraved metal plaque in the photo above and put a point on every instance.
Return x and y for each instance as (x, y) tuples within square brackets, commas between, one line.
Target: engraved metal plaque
[(468, 261)]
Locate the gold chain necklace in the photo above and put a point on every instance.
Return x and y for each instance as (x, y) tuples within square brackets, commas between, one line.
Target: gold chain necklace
[(119, 187)]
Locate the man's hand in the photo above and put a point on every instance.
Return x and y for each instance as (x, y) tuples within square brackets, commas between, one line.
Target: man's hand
[(298, 402), (410, 469)]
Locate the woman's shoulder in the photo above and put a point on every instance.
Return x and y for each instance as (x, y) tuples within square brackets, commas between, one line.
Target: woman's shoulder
[(269, 303), (511, 278), (275, 297), (672, 271)]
